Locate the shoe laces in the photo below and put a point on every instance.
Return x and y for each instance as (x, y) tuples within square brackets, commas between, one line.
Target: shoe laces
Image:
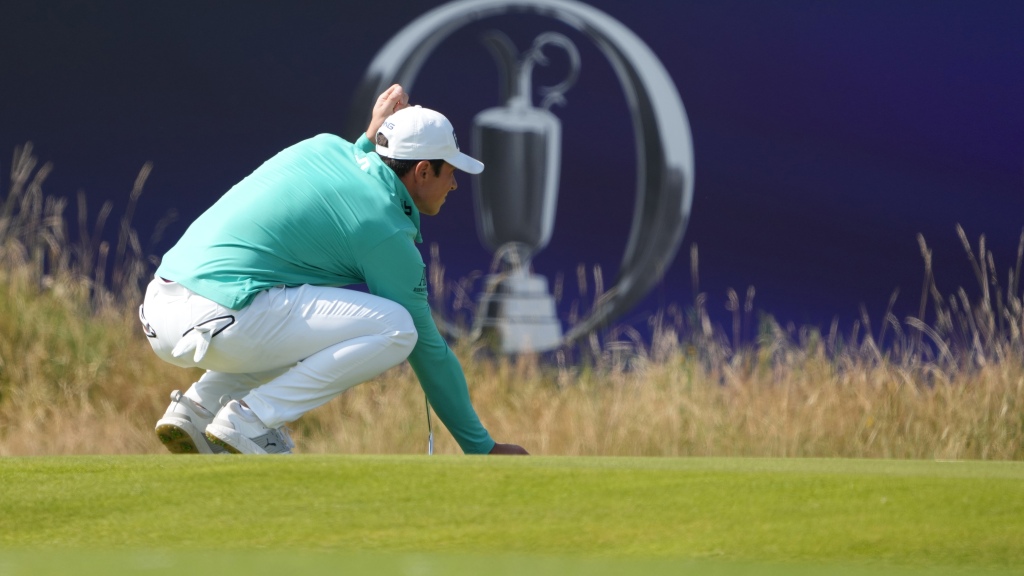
[(197, 408)]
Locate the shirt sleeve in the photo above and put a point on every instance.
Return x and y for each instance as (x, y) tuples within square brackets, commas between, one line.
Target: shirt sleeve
[(394, 269), (364, 144)]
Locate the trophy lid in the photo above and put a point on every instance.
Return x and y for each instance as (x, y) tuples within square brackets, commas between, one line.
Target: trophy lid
[(517, 119)]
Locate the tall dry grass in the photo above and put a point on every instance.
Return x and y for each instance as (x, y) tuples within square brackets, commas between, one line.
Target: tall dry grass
[(77, 375)]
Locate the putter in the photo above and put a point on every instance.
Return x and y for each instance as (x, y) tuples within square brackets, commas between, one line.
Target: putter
[(430, 429)]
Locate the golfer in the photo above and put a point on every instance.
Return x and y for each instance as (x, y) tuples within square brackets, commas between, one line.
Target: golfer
[(252, 292)]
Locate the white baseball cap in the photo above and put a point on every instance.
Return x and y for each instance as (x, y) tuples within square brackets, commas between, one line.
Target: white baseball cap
[(416, 133)]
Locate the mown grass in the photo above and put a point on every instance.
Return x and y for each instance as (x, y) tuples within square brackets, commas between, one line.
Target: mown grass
[(806, 512), (77, 376)]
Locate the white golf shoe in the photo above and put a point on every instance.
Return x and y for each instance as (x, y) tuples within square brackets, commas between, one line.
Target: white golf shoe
[(182, 426), (237, 429)]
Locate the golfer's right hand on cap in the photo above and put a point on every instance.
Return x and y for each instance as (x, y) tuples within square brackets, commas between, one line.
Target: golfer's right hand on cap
[(509, 449), (392, 100)]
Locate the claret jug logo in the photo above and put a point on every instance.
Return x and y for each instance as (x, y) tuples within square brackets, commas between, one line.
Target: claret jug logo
[(520, 145)]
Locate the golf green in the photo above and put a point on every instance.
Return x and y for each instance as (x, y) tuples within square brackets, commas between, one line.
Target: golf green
[(462, 515)]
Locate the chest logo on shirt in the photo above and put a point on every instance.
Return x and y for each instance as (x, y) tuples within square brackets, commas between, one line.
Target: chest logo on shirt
[(421, 288), (407, 208)]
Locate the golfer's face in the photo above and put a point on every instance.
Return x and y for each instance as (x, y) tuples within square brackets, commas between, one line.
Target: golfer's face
[(435, 189)]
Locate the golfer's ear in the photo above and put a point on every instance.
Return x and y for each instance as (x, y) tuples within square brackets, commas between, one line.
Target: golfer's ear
[(422, 168)]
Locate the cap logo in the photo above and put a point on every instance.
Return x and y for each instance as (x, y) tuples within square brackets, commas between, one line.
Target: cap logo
[(456, 138)]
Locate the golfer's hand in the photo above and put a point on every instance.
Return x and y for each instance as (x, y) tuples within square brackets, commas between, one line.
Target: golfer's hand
[(509, 449), (392, 100)]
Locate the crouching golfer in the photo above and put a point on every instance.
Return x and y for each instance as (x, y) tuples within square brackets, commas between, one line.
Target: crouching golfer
[(251, 293)]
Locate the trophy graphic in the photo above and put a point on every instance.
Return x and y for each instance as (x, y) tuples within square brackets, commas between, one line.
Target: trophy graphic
[(516, 196), (520, 143)]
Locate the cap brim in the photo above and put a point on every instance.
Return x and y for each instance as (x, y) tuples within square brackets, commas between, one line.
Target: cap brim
[(466, 163)]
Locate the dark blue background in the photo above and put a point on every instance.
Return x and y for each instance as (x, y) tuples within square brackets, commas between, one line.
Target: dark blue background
[(827, 135)]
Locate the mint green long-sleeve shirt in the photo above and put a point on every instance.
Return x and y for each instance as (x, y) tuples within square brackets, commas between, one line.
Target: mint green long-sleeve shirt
[(327, 212)]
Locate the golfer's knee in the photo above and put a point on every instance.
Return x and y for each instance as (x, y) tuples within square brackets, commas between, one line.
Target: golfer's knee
[(404, 333)]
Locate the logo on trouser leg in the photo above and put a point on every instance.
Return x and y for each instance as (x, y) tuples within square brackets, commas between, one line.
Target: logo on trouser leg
[(150, 333), (197, 338)]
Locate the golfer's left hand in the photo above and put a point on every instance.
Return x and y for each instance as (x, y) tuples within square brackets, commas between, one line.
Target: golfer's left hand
[(392, 100), (509, 449)]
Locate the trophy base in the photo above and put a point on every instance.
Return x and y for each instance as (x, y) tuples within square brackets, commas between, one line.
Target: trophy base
[(518, 314)]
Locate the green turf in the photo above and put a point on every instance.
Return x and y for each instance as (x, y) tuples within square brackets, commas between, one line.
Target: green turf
[(462, 515)]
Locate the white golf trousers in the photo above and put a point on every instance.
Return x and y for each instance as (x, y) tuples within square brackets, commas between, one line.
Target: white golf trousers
[(289, 351)]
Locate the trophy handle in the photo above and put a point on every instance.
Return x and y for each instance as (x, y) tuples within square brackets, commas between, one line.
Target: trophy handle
[(505, 53), (515, 81), (664, 145), (555, 94)]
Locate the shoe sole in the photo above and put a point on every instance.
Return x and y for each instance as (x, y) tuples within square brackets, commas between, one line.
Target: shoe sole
[(178, 438), (232, 440), (218, 442)]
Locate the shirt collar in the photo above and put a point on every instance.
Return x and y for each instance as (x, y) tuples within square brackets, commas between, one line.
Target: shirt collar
[(399, 194)]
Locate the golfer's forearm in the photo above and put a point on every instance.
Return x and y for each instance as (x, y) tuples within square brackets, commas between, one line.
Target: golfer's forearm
[(444, 383), (395, 270)]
